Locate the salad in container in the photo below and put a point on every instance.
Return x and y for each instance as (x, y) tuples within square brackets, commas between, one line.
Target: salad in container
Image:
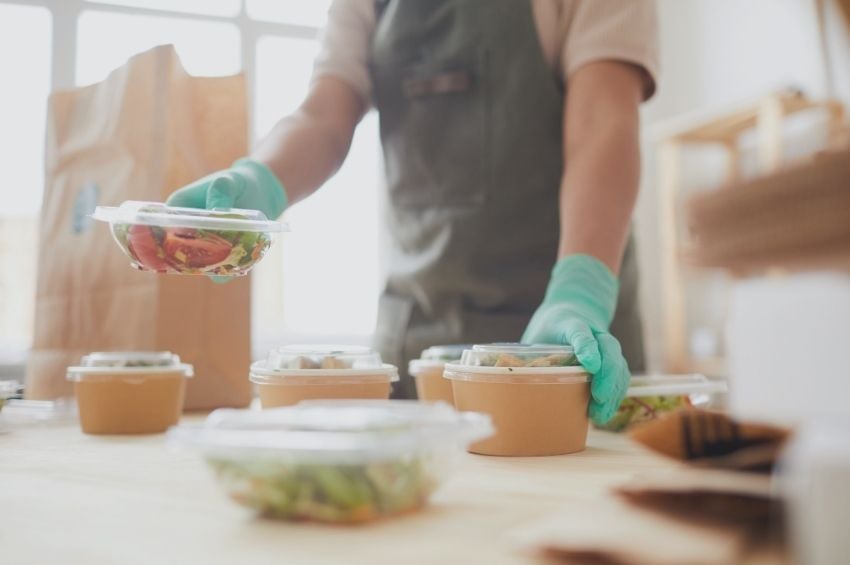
[(190, 241), (129, 392), (427, 371), (537, 396), (294, 373), (339, 462), (651, 396)]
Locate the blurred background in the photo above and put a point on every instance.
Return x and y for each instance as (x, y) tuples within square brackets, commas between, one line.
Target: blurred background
[(718, 58)]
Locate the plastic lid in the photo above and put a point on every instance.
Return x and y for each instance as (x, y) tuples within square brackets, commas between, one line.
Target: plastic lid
[(159, 214), (334, 432), (672, 385), (8, 389), (518, 363), (322, 360), (130, 363), (436, 357)]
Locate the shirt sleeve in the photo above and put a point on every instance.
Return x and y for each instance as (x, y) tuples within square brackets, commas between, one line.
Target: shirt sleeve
[(344, 44), (622, 30)]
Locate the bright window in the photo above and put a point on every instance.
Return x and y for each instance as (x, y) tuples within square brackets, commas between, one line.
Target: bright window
[(312, 13), (26, 83), (106, 40), (299, 291), (328, 264), (210, 7)]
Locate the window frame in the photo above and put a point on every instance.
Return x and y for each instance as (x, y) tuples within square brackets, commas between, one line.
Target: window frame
[(65, 14)]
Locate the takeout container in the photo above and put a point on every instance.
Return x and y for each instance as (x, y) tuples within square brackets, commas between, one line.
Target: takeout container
[(129, 392), (427, 372), (337, 461), (8, 389), (536, 395), (190, 241), (651, 396), (300, 372)]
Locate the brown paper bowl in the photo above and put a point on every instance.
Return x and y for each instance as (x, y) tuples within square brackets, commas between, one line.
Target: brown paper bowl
[(432, 387), (116, 403), (294, 391), (535, 412)]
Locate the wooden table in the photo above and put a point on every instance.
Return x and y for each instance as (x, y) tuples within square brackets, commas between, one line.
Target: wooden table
[(70, 499)]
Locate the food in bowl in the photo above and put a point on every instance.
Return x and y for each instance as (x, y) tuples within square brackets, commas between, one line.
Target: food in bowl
[(536, 395), (132, 392), (338, 462), (427, 372), (300, 372), (190, 241)]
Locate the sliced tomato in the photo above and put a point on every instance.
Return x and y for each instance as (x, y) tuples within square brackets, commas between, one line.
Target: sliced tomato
[(188, 247), (145, 249)]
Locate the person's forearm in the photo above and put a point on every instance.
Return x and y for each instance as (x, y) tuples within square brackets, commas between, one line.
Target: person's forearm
[(602, 161), (598, 194), (306, 148)]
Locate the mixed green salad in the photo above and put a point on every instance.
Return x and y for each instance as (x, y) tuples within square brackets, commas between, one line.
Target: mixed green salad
[(337, 493), (191, 251), (637, 409)]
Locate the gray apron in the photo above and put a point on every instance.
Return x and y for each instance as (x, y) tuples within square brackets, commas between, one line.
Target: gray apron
[(471, 127)]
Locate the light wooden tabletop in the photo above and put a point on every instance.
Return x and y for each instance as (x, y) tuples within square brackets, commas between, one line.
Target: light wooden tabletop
[(69, 498)]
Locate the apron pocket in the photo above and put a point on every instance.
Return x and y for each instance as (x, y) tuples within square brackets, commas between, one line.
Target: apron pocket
[(434, 130)]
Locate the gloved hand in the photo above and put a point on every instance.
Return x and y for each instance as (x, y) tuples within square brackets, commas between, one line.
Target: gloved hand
[(247, 184), (577, 310)]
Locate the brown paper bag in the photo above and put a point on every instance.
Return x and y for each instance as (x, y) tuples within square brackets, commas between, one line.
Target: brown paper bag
[(144, 131)]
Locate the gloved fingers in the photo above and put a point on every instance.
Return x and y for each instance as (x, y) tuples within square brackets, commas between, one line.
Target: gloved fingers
[(192, 196), (219, 279), (224, 191), (610, 384), (578, 334)]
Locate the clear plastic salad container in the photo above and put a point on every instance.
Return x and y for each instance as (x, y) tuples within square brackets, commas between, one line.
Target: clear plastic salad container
[(650, 396), (8, 389), (537, 396), (299, 372), (190, 241), (129, 392), (428, 372), (338, 462)]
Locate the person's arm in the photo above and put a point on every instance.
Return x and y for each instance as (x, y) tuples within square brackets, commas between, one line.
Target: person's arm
[(602, 160), (303, 151), (306, 148), (598, 194)]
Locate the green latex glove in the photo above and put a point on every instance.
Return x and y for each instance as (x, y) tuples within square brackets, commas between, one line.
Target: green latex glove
[(577, 310), (247, 184)]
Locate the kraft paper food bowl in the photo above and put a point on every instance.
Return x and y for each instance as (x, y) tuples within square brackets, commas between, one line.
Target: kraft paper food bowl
[(295, 373), (427, 372), (129, 392), (537, 397), (190, 241)]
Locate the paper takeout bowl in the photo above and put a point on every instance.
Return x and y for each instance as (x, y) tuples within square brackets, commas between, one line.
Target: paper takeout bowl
[(129, 392), (295, 373), (536, 410), (427, 372)]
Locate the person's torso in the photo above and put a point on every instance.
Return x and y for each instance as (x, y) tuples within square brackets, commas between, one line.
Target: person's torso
[(471, 125)]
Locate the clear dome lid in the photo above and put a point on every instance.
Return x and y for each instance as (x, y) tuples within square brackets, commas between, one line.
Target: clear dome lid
[(519, 355), (162, 215)]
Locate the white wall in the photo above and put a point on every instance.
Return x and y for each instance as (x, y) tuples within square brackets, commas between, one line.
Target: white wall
[(715, 55)]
